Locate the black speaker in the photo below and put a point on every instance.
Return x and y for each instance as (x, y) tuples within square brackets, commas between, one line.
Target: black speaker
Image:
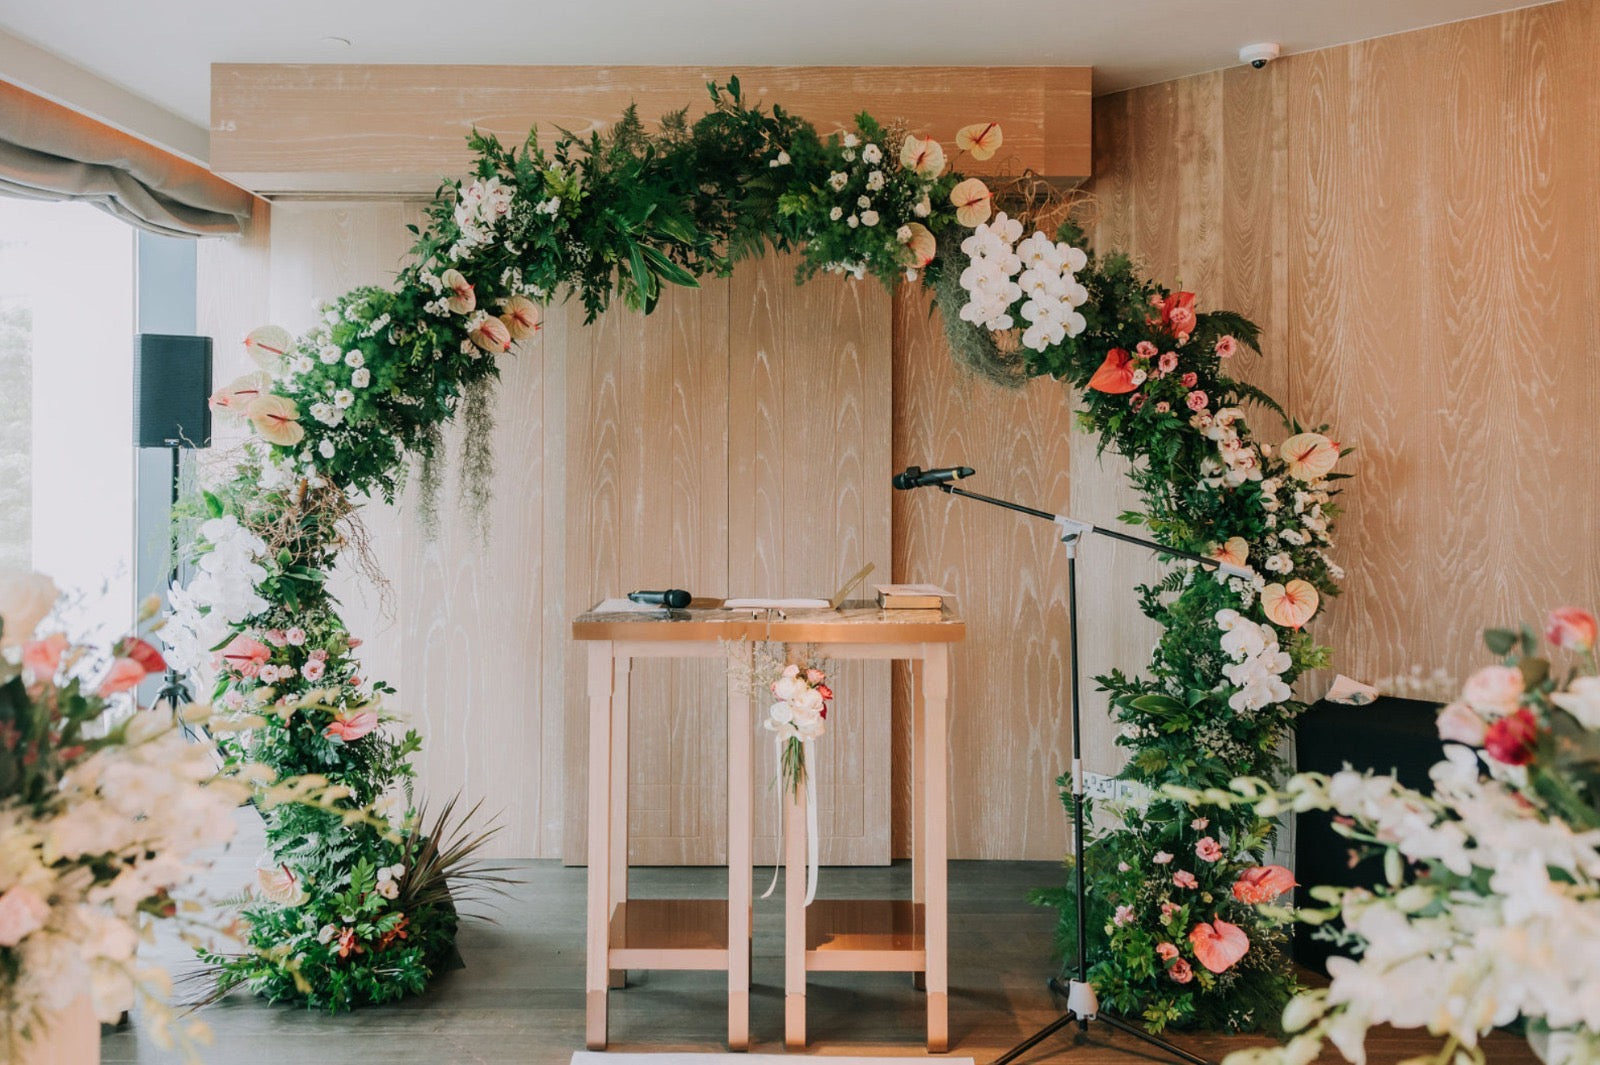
[(171, 390)]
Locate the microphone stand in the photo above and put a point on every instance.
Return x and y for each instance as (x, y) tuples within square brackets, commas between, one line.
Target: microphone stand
[(1082, 1003)]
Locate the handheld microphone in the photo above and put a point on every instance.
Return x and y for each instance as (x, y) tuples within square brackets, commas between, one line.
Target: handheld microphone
[(672, 598), (917, 477)]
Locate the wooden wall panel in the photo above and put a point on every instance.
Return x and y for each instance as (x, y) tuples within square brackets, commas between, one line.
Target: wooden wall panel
[(1411, 221), (400, 128), (808, 491), (1009, 735)]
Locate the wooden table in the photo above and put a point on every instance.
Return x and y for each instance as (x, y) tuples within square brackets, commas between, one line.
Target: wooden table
[(878, 935)]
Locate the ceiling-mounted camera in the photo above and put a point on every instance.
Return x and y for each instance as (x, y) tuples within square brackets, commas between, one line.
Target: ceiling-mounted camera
[(1259, 55)]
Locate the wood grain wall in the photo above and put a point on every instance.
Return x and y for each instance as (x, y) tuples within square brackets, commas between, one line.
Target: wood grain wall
[(1412, 220)]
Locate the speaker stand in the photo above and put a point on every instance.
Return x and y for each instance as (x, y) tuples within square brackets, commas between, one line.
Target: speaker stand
[(174, 692)]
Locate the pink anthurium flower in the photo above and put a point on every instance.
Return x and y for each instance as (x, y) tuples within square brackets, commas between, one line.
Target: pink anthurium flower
[(521, 316), (246, 656), (461, 299), (1262, 884), (491, 334), (1219, 945), (352, 725)]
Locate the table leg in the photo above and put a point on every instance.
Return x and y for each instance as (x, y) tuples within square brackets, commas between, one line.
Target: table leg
[(622, 667), (741, 844), (794, 917), (935, 687), (601, 676), (919, 822)]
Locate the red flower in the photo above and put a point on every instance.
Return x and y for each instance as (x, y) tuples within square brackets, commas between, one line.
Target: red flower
[(144, 654), (824, 691), (1571, 628), (1512, 739), (1262, 884), (1177, 314), (1115, 375)]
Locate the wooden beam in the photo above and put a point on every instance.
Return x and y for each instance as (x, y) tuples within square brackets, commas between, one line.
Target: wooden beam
[(392, 129)]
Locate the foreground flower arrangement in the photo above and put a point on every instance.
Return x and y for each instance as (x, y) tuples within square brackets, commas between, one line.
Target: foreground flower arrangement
[(1490, 913), (104, 812), (340, 412)]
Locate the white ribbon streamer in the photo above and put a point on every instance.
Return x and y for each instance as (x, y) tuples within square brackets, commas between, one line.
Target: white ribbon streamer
[(813, 846)]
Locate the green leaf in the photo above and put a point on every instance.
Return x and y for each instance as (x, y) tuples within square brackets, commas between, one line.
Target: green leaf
[(1499, 641), (213, 504), (1159, 705)]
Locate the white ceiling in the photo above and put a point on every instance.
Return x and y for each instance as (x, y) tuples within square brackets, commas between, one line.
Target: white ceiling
[(161, 49)]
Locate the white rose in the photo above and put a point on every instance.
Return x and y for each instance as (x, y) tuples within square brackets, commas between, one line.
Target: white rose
[(325, 449), (863, 201), (355, 360), (389, 889), (343, 398), (852, 221), (361, 378), (872, 154), (25, 598), (869, 218), (836, 214)]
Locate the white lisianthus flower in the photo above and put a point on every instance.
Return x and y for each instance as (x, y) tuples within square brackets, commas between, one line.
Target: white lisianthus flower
[(836, 214), (851, 140), (923, 208), (838, 180), (329, 354), (903, 234), (361, 378), (852, 221), (325, 449), (343, 398), (875, 180), (872, 155), (863, 201), (869, 218), (355, 360), (301, 364)]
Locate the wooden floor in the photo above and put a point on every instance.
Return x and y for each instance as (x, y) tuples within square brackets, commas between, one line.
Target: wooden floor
[(520, 997)]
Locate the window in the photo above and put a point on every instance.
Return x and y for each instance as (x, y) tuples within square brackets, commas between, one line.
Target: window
[(67, 469)]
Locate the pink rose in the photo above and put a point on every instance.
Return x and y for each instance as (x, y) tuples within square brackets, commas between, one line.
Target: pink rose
[(295, 636), (1513, 739), (1146, 350), (1163, 407), (1208, 849), (246, 656), (350, 727), (313, 669), (43, 657), (1200, 824), (319, 655), (1161, 858), (1495, 689), (1185, 879), (1123, 916), (1459, 723), (1189, 380), (276, 637), (1570, 628), (815, 676), (125, 673), (1137, 401), (1169, 362), (1166, 951), (1167, 910), (1180, 971), (22, 912), (1226, 346), (1197, 401)]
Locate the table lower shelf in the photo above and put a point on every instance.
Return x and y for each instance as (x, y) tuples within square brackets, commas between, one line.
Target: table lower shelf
[(669, 934), (866, 935)]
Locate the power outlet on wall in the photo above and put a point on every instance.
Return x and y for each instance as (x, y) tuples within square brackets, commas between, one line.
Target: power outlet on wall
[(1104, 788)]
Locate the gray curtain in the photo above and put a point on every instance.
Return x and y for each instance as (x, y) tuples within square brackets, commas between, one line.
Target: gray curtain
[(49, 152)]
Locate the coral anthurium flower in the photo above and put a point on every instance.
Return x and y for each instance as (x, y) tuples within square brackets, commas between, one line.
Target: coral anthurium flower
[(125, 673), (1290, 605), (1219, 945), (351, 726), (1309, 455), (461, 298), (1115, 375), (521, 316), (923, 155), (267, 346), (921, 246), (43, 657), (1512, 739), (1233, 552), (236, 396), (277, 419), (246, 656), (279, 884), (491, 335), (981, 140), (1262, 884), (973, 202), (1570, 628)]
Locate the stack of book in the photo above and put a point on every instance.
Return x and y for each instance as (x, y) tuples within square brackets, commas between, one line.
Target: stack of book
[(911, 596)]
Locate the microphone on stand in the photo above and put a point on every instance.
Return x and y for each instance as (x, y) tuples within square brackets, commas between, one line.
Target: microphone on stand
[(917, 477), (672, 598)]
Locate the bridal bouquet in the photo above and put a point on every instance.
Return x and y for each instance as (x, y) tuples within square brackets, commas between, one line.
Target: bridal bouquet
[(104, 809), (1491, 910)]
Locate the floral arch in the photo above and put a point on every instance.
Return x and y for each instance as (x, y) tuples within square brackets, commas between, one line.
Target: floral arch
[(349, 915)]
